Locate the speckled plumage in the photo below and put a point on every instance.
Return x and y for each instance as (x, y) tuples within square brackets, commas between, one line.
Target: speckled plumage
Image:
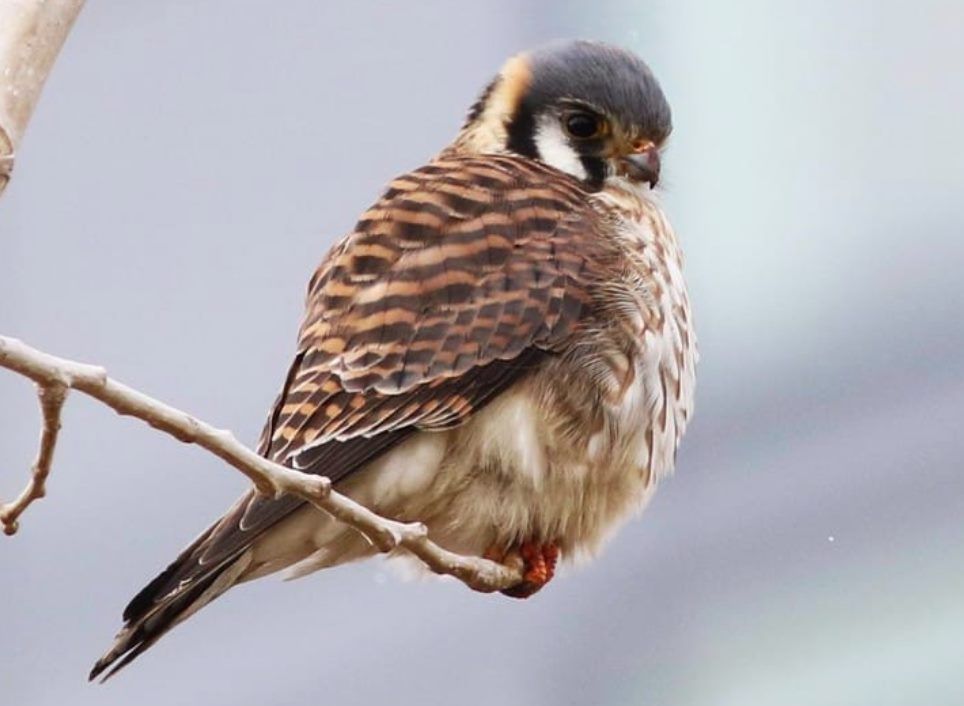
[(499, 349)]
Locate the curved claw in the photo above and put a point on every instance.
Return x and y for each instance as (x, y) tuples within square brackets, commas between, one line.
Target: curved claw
[(538, 563)]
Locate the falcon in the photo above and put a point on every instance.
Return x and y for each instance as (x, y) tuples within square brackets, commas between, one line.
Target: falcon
[(501, 349)]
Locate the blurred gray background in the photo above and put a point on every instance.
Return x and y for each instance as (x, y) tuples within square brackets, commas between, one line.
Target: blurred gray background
[(189, 164)]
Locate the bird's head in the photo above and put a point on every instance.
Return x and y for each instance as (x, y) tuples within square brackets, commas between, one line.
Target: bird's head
[(589, 109)]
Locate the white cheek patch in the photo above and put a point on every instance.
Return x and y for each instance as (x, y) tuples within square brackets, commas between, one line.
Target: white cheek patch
[(555, 150)]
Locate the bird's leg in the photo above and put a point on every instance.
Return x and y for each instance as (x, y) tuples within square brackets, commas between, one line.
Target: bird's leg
[(537, 562)]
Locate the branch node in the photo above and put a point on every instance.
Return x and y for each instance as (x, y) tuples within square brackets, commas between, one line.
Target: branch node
[(388, 537), (53, 395), (416, 531), (98, 374), (318, 486)]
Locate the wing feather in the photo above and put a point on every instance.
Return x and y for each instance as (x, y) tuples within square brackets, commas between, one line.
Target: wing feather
[(464, 276)]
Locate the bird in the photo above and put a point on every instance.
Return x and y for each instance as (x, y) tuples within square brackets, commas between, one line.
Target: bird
[(501, 349)]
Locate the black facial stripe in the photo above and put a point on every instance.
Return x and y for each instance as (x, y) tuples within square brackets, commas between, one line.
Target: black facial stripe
[(595, 170), (522, 131), (521, 140)]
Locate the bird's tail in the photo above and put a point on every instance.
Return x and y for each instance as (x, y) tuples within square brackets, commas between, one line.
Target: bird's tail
[(144, 628)]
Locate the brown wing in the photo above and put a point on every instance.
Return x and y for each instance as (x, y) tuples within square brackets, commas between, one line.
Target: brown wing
[(463, 276), (462, 264)]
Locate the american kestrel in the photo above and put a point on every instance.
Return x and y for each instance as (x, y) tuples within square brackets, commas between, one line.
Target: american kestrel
[(502, 348)]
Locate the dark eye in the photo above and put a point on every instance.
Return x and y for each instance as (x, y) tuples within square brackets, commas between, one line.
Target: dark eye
[(583, 125)]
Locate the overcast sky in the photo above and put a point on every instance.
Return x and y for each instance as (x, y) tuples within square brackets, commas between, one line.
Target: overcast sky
[(189, 164)]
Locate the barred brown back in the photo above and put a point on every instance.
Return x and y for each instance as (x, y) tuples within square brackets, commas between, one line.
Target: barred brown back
[(462, 263), (462, 277)]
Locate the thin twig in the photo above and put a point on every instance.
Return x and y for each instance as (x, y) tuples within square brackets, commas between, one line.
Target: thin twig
[(55, 376), (52, 398)]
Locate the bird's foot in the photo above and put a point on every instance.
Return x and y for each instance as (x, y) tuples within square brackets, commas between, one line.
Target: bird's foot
[(536, 561)]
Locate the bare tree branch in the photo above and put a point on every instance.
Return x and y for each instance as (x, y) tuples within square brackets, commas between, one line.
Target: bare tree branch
[(55, 376), (31, 34)]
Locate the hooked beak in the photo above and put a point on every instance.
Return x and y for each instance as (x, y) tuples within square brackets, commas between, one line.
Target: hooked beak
[(642, 164)]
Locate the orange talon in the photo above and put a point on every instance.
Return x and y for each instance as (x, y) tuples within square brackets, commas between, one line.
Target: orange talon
[(538, 567)]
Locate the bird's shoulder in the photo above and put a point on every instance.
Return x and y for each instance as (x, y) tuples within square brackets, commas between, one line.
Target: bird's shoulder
[(475, 208), (450, 286), (495, 252)]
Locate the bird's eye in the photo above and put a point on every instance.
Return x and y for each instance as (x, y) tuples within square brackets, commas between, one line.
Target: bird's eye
[(583, 126)]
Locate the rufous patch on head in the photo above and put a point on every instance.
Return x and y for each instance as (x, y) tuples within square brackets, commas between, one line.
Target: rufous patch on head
[(488, 132), (514, 82)]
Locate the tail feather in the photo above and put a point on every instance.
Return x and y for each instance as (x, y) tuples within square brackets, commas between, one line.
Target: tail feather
[(142, 632), (166, 581), (208, 567)]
